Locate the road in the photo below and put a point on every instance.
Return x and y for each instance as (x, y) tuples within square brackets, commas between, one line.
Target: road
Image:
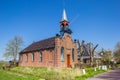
[(110, 75)]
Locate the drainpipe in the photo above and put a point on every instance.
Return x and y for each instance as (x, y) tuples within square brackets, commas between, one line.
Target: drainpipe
[(54, 56)]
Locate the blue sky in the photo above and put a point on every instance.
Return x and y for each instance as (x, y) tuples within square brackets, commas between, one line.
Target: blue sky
[(96, 21)]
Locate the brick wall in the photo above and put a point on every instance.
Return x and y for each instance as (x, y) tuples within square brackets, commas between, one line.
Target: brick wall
[(47, 59), (68, 44), (51, 57)]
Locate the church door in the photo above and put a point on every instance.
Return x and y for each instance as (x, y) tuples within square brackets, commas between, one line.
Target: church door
[(68, 61)]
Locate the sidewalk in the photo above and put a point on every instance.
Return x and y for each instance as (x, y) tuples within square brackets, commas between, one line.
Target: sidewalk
[(110, 75)]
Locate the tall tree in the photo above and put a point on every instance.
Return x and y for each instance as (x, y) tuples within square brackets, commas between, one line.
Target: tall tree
[(81, 50), (117, 53), (106, 57), (13, 47), (92, 51)]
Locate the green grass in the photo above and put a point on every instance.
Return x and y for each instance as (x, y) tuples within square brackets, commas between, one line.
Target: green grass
[(1, 63), (118, 65), (7, 75), (48, 73), (89, 73), (36, 73)]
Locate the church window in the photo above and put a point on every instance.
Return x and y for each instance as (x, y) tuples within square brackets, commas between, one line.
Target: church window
[(40, 56), (73, 54), (33, 57), (26, 57), (62, 53)]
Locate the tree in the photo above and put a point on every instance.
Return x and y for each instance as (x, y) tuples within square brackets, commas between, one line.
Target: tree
[(117, 53), (13, 47), (106, 57), (81, 50), (92, 51)]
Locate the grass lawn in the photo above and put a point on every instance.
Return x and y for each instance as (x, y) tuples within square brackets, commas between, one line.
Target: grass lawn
[(48, 73), (7, 75), (89, 73), (1, 63), (38, 73)]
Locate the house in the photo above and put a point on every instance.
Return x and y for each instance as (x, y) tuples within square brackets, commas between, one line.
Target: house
[(58, 51), (86, 52)]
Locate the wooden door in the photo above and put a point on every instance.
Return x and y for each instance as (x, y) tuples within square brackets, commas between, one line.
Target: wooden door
[(68, 61)]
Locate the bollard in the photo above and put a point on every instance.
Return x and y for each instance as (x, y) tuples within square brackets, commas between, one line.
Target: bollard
[(105, 67), (83, 71), (94, 68), (99, 67), (110, 66)]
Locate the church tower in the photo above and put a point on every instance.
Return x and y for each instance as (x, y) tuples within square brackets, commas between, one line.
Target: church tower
[(64, 25)]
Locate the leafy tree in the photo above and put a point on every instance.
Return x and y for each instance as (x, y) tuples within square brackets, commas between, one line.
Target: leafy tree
[(117, 53), (13, 47), (107, 57)]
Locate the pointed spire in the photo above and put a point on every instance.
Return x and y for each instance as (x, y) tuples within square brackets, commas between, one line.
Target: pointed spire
[(64, 24), (64, 16)]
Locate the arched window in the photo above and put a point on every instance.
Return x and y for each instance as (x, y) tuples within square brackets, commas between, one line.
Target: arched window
[(26, 57), (62, 53), (40, 56), (73, 54), (33, 57)]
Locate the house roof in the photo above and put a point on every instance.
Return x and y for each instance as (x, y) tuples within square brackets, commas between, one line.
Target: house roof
[(43, 44), (86, 53)]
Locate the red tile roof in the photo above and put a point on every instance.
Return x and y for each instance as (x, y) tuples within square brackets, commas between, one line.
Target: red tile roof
[(40, 45)]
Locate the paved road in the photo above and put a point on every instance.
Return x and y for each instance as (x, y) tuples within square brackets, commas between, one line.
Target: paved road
[(110, 75)]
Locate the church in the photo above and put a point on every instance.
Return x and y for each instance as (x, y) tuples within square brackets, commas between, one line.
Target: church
[(59, 51)]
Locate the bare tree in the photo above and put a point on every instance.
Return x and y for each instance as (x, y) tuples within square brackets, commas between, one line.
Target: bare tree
[(81, 50), (13, 48), (92, 51)]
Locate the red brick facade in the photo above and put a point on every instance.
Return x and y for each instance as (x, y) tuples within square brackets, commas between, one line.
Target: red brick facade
[(47, 59), (52, 57), (59, 51)]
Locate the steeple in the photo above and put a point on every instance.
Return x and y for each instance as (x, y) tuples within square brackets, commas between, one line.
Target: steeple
[(64, 24), (64, 16)]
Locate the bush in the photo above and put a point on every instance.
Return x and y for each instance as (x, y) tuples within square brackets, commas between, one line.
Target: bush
[(118, 65)]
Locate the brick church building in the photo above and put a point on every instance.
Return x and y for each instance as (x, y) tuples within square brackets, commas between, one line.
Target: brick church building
[(59, 51)]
